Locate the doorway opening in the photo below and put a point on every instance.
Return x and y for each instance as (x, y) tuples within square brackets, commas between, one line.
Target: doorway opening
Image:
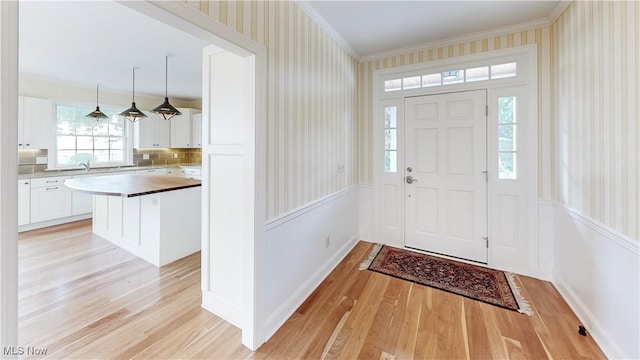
[(252, 131)]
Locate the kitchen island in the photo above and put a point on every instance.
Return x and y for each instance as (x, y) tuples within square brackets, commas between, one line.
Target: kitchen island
[(156, 218)]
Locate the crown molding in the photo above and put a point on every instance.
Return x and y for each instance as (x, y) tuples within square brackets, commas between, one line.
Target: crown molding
[(525, 26), (318, 19), (558, 10)]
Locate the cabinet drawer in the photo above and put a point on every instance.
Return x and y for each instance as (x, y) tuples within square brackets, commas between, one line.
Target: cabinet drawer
[(192, 171), (48, 181)]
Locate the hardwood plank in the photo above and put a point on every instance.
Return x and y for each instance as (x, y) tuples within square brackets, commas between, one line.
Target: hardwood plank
[(80, 297)]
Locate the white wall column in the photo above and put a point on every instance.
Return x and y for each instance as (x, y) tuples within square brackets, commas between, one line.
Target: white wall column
[(8, 173)]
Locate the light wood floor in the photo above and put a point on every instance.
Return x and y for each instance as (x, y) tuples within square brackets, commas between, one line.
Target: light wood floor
[(81, 297)]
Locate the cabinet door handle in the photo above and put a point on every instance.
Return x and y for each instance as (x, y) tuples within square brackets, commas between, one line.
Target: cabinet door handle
[(53, 188)]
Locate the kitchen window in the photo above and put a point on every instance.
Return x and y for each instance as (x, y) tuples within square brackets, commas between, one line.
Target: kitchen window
[(81, 139)]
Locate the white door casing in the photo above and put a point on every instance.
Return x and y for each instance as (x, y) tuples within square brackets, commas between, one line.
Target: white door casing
[(445, 189)]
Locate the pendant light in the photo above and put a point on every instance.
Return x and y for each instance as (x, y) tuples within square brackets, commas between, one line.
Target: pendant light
[(97, 114), (166, 110), (133, 114)]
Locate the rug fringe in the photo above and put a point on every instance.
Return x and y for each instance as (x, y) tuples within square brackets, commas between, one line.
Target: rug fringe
[(372, 255), (523, 305)]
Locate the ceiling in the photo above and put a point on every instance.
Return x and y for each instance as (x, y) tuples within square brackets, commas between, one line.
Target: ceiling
[(372, 28), (89, 42)]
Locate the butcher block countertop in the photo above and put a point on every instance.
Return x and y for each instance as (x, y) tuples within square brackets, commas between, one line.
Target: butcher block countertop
[(129, 185)]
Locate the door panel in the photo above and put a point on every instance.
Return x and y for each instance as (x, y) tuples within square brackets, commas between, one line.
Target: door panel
[(446, 205)]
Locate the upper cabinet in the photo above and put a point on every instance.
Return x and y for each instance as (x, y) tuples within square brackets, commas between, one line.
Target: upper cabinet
[(196, 130), (152, 132), (182, 126), (35, 117)]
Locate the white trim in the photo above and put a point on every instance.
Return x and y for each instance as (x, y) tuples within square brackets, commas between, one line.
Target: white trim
[(617, 237), (305, 247), (557, 11), (43, 224), (289, 216), (318, 19), (526, 26), (596, 272), (9, 173)]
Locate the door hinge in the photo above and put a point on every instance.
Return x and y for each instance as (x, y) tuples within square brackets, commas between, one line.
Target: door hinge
[(486, 175), (487, 240), (486, 110)]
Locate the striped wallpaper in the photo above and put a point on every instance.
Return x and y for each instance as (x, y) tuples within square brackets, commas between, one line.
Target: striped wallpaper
[(596, 112), (320, 104), (539, 36), (311, 101)]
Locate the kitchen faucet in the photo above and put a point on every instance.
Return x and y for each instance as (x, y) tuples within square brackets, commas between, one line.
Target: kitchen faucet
[(87, 165)]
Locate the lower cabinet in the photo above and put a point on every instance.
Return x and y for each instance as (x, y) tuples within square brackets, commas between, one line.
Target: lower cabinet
[(50, 199), (24, 202)]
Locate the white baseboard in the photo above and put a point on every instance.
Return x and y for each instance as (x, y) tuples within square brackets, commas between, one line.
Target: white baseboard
[(43, 224), (302, 248), (222, 308), (597, 271)]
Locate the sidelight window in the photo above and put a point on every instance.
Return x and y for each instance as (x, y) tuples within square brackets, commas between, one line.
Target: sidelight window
[(390, 139), (507, 138)]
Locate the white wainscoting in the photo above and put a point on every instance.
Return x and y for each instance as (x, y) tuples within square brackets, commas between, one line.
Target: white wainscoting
[(298, 258), (365, 215), (546, 231), (597, 271)]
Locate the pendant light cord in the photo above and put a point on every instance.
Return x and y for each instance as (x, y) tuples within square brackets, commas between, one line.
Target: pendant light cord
[(133, 88), (97, 102), (166, 75)]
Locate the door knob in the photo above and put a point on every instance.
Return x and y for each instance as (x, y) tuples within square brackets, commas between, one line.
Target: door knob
[(410, 179)]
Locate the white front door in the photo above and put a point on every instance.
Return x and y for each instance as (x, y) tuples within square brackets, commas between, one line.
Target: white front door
[(445, 163)]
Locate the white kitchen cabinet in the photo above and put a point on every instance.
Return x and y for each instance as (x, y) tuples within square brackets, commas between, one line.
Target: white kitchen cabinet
[(24, 201), (182, 129), (50, 199), (177, 172), (152, 132), (35, 118), (160, 171), (192, 173), (196, 130)]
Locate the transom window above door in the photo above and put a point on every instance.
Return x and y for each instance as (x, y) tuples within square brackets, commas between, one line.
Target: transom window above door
[(454, 76)]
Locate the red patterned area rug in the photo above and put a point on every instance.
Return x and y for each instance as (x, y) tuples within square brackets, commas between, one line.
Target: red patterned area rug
[(476, 282)]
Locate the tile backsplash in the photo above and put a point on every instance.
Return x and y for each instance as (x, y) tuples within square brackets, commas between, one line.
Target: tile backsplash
[(32, 161), (35, 161), (159, 157)]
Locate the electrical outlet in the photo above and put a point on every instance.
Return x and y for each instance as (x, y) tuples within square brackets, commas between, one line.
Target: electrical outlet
[(145, 156), (175, 155), (41, 159), (327, 241), (340, 167)]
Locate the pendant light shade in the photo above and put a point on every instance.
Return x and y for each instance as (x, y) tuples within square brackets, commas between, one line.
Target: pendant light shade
[(166, 110), (133, 114), (97, 114)]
